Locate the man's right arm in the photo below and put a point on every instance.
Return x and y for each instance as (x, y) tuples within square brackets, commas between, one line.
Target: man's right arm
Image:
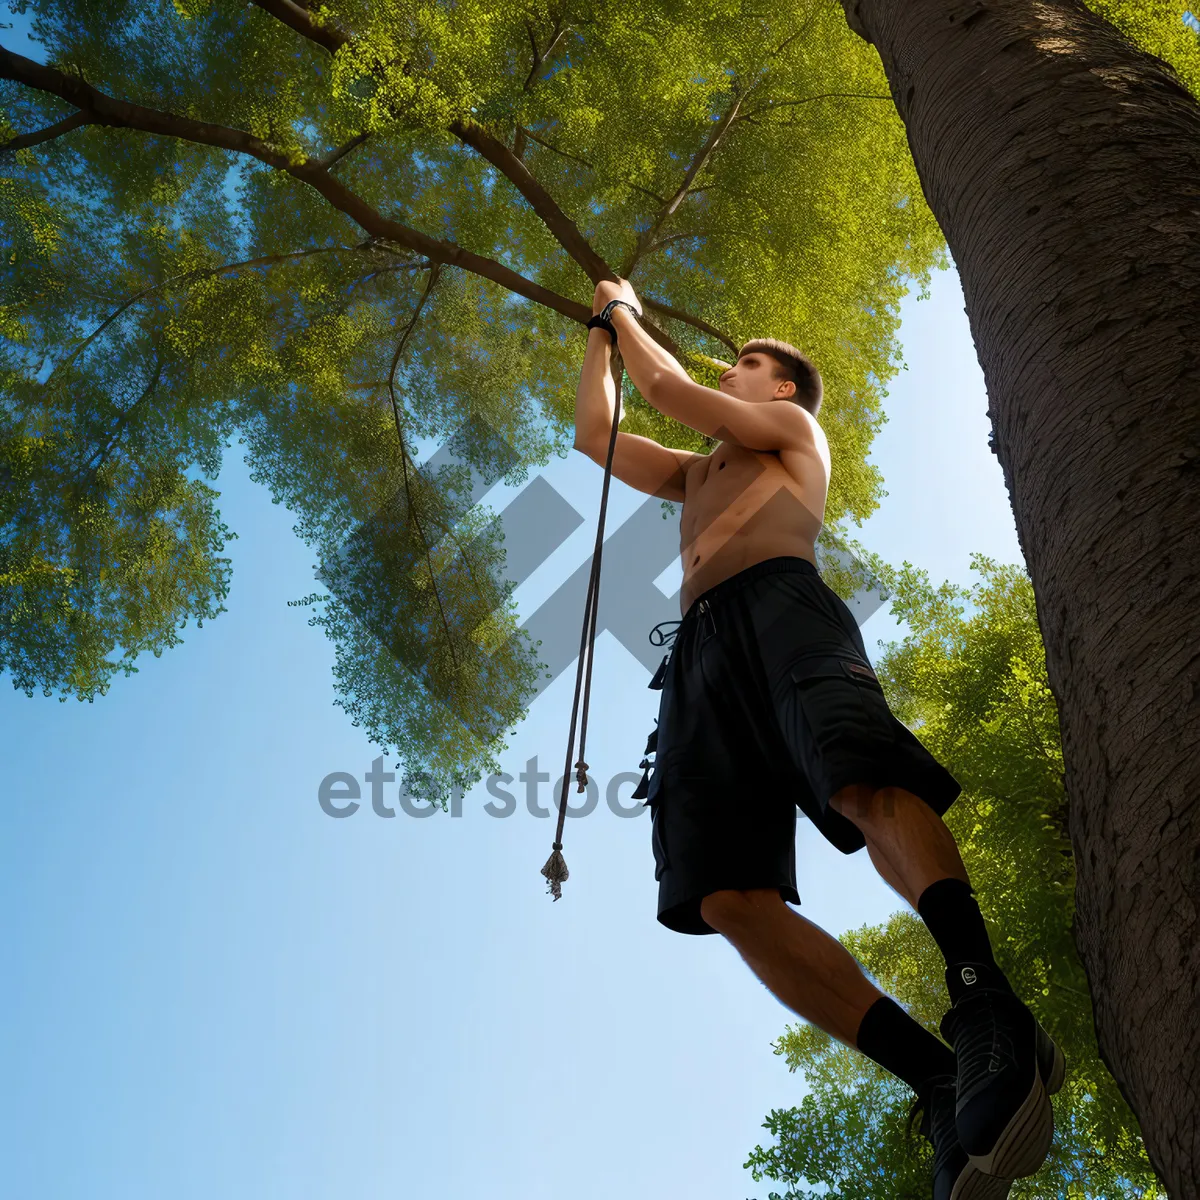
[(640, 462)]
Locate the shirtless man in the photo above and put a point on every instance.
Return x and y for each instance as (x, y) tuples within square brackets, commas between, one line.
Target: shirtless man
[(768, 703)]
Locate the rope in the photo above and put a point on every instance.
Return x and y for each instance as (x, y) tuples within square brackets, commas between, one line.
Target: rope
[(555, 869)]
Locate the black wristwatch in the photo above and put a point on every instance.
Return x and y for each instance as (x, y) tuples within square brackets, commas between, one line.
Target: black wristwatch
[(606, 311), (602, 322)]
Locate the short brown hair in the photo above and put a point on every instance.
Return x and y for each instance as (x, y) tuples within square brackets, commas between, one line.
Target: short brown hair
[(795, 366)]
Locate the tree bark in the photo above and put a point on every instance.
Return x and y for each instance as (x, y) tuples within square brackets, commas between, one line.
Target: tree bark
[(1063, 165)]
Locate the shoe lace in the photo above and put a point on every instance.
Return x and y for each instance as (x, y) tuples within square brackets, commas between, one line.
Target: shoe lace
[(983, 1039)]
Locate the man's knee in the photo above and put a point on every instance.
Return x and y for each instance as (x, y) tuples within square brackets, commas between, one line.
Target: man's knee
[(732, 909), (864, 803)]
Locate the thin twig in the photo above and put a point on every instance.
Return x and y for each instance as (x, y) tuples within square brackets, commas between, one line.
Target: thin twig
[(197, 273), (772, 105), (583, 162), (434, 272), (336, 156), (699, 160), (122, 422), (675, 237), (540, 57)]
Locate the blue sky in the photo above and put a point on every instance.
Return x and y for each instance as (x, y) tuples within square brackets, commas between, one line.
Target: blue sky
[(214, 989)]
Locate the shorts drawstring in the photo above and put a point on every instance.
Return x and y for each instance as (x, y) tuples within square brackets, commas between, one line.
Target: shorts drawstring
[(667, 637), (664, 639)]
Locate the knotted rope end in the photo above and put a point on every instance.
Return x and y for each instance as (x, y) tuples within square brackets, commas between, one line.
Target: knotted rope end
[(556, 872)]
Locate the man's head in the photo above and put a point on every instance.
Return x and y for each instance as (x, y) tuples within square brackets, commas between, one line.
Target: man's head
[(767, 369)]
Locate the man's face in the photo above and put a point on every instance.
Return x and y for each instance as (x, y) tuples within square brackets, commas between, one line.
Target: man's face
[(756, 378)]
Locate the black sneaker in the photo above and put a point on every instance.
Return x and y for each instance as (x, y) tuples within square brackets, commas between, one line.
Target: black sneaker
[(1008, 1067), (954, 1175)]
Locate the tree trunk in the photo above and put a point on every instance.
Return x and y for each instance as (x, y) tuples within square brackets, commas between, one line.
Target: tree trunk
[(1063, 165)]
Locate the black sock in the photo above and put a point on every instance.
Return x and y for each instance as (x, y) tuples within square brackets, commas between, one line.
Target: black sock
[(890, 1037), (952, 916)]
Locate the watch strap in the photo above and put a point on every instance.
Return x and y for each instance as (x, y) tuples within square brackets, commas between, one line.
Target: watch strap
[(602, 322)]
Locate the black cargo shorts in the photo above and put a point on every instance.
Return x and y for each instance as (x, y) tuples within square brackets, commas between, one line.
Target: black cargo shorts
[(769, 703)]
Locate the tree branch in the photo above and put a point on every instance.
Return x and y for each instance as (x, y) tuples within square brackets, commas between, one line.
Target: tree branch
[(48, 134), (470, 133), (330, 34), (510, 165), (565, 231), (102, 109), (336, 156), (540, 57), (771, 105), (695, 322), (412, 508), (787, 41), (675, 237), (694, 168), (108, 111), (537, 58), (445, 252)]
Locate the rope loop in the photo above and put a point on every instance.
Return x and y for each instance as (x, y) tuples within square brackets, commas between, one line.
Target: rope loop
[(555, 869)]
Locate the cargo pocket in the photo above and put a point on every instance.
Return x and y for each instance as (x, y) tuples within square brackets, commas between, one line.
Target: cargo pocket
[(842, 701)]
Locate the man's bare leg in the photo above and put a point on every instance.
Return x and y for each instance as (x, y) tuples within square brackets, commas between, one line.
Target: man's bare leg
[(803, 966), (1005, 1125), (806, 969), (909, 844)]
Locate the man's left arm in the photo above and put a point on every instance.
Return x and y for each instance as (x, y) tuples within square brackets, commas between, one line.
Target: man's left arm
[(666, 386)]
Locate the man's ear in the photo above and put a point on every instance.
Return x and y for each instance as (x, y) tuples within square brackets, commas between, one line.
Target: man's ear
[(789, 393)]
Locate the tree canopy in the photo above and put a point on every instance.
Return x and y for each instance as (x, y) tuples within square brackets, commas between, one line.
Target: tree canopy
[(328, 232)]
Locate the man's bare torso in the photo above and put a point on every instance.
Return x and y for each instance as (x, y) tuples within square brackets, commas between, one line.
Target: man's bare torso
[(743, 506)]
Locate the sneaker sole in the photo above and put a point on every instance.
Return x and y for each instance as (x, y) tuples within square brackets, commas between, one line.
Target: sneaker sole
[(974, 1184), (1025, 1142)]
